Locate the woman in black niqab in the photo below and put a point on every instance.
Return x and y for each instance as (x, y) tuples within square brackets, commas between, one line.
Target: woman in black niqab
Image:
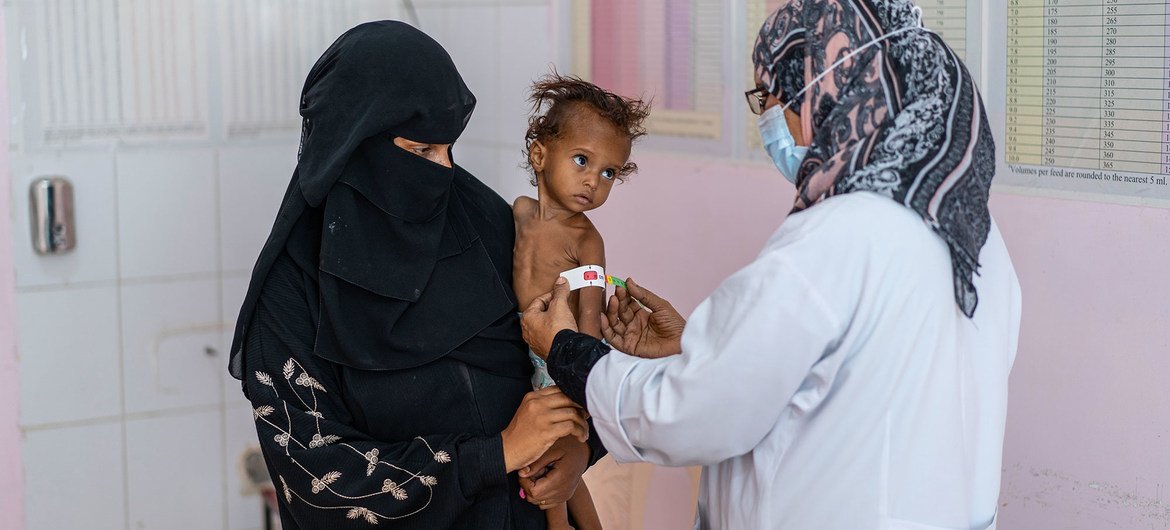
[(378, 341)]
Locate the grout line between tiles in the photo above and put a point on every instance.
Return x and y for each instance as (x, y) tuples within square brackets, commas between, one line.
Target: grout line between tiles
[(121, 345), (224, 348), (120, 282), (133, 416)]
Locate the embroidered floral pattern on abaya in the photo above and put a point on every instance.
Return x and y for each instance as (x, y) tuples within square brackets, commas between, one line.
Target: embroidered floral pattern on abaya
[(319, 482)]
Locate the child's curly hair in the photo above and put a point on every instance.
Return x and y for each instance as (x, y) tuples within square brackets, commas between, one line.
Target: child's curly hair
[(559, 96)]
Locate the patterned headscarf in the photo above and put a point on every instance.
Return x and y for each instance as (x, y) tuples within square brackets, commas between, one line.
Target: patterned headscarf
[(902, 118)]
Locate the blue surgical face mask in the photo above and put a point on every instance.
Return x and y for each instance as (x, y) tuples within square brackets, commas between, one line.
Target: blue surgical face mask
[(779, 144), (778, 141)]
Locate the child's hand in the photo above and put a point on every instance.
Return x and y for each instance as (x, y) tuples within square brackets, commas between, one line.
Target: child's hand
[(641, 323), (546, 316), (553, 477)]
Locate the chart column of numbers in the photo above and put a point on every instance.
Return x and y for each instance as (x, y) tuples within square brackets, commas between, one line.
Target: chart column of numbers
[(1072, 83), (1025, 90), (1166, 111), (1133, 51), (1088, 84)]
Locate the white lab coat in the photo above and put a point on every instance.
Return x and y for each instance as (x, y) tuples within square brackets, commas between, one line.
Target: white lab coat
[(833, 383)]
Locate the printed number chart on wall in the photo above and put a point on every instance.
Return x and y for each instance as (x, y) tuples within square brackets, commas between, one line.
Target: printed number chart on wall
[(1088, 97)]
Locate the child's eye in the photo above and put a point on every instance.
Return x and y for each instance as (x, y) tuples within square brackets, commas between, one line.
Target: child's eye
[(608, 174), (580, 160)]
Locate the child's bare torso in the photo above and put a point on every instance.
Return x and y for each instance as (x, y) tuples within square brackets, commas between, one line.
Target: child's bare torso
[(544, 249)]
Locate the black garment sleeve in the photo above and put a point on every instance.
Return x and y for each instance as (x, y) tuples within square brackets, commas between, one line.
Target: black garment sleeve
[(570, 359), (597, 450), (327, 472)]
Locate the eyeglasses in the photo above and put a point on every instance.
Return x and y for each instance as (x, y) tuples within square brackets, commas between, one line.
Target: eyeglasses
[(756, 98)]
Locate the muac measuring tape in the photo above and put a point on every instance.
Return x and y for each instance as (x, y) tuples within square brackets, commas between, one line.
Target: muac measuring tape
[(590, 276)]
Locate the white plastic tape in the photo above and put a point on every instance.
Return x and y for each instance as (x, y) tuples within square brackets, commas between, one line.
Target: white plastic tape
[(585, 276)]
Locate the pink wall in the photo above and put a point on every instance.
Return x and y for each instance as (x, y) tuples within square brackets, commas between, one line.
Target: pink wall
[(1088, 435), (12, 487), (1089, 417), (680, 225)]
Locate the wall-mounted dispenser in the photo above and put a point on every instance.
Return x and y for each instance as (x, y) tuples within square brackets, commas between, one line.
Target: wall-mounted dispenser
[(51, 215)]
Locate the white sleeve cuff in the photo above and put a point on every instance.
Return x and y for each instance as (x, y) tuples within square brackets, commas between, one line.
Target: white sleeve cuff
[(605, 392)]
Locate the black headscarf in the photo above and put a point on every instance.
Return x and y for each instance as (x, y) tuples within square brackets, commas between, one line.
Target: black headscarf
[(391, 238)]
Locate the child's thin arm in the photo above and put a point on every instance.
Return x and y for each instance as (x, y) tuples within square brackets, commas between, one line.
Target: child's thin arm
[(591, 301)]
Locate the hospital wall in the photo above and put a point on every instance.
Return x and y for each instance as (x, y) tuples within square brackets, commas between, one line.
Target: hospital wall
[(1088, 420), (126, 416)]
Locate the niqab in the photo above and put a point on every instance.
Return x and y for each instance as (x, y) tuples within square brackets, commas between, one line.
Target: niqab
[(404, 262)]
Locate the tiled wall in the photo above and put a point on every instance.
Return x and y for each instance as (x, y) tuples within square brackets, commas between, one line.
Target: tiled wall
[(129, 418)]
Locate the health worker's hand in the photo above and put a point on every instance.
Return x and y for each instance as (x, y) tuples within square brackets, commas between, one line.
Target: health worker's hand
[(546, 316), (641, 323)]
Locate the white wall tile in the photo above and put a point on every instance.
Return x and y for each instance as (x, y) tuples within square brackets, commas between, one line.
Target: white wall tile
[(73, 478), (69, 354), (252, 181), (245, 506), (480, 160), (525, 54), (167, 212), (513, 179), (95, 258), (166, 328), (175, 472), (432, 18), (233, 289), (472, 37)]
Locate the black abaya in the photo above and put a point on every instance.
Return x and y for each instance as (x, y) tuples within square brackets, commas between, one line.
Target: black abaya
[(378, 340)]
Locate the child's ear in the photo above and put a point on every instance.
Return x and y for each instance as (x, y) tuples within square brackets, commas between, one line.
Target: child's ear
[(536, 156)]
